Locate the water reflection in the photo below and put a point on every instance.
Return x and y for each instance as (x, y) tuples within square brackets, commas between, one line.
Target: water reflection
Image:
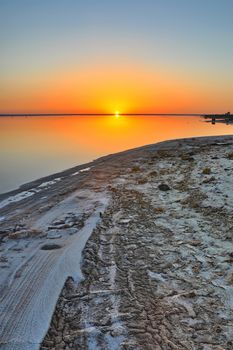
[(37, 146)]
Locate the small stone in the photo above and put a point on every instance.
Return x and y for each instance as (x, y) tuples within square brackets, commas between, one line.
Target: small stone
[(3, 259), (124, 221), (217, 329), (230, 278), (59, 222), (211, 179), (135, 168), (164, 187), (71, 231), (54, 235), (230, 155), (196, 268), (18, 227), (142, 181), (206, 171), (48, 343), (25, 234), (187, 157), (50, 246), (153, 173), (195, 242)]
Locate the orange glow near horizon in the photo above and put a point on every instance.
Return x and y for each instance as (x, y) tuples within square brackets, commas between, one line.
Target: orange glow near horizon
[(105, 88)]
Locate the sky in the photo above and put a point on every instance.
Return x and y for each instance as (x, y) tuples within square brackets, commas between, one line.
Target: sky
[(131, 56)]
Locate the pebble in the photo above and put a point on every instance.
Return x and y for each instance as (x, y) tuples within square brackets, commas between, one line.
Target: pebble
[(54, 235), (124, 221), (164, 187)]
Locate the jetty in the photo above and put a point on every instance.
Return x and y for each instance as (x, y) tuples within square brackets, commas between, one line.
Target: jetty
[(222, 118)]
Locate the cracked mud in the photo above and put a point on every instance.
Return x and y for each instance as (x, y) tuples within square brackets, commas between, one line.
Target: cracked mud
[(158, 268)]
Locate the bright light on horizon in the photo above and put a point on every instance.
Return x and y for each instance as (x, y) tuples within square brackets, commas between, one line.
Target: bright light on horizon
[(117, 114)]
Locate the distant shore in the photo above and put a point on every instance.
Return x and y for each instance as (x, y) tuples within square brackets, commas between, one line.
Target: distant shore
[(133, 249), (99, 114)]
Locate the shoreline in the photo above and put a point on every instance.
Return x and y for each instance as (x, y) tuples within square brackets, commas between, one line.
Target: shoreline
[(69, 171), (44, 234)]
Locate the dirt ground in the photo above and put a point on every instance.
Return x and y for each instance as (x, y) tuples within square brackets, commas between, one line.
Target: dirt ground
[(158, 268)]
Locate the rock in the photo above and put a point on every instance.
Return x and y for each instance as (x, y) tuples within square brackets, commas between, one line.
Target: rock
[(195, 242), (187, 157), (53, 234), (18, 227), (25, 234), (159, 210), (48, 343), (230, 155), (59, 222), (164, 187), (142, 181), (17, 249), (3, 259), (60, 226), (135, 169), (50, 246), (196, 268), (17, 234), (71, 231), (153, 173), (206, 171), (211, 179), (230, 278), (124, 221)]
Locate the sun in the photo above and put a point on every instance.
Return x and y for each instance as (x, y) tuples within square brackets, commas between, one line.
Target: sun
[(117, 114)]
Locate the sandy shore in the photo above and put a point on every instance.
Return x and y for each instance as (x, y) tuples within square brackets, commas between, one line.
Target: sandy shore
[(131, 251)]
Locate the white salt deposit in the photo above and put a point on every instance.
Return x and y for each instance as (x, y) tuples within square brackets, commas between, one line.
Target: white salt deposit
[(49, 183), (42, 279), (18, 197), (86, 169), (25, 194), (76, 173), (81, 171)]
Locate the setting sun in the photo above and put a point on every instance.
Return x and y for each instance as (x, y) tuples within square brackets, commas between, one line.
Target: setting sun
[(117, 114)]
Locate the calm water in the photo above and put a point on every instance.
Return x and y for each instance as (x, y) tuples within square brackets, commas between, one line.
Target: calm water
[(32, 147)]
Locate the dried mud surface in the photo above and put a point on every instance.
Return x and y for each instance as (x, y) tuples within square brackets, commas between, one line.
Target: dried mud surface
[(158, 268)]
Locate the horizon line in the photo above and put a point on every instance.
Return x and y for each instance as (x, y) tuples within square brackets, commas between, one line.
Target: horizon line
[(97, 114)]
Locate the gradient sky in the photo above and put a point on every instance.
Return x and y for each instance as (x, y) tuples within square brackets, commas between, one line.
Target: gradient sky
[(128, 55)]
